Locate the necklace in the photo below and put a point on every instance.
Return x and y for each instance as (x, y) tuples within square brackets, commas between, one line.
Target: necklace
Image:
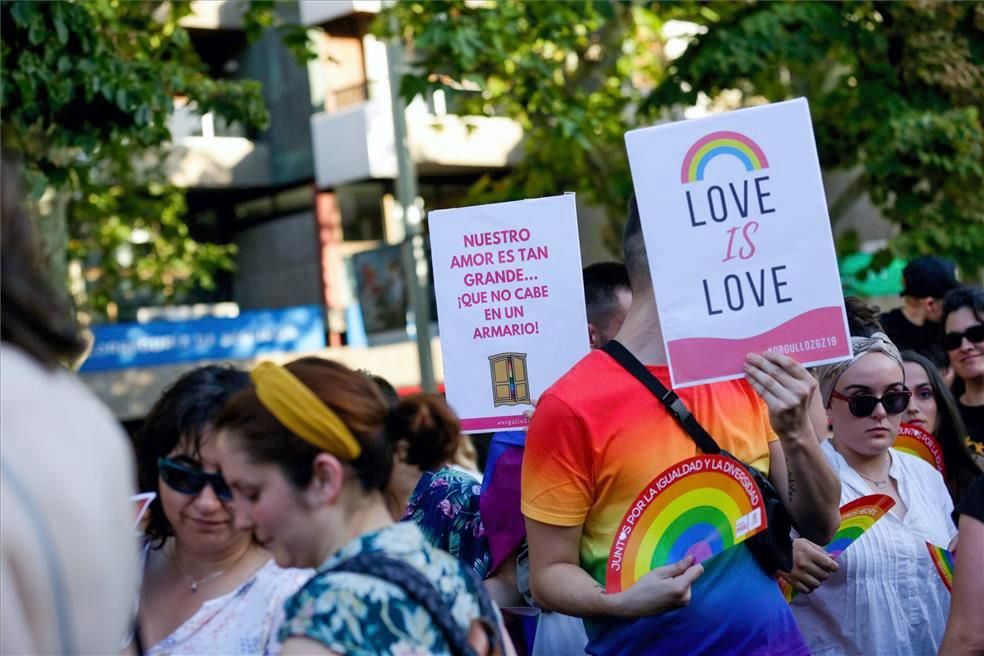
[(881, 485), (196, 582)]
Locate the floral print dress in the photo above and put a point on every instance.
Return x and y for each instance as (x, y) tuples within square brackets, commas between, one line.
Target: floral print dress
[(360, 615), (445, 505)]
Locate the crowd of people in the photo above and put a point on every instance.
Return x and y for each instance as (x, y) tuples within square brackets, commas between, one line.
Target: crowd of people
[(307, 508)]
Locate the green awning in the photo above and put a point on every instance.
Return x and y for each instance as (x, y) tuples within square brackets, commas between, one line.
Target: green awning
[(858, 280)]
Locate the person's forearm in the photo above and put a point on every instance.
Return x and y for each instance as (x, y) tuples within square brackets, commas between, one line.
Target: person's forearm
[(964, 631), (961, 639), (812, 487), (568, 589), (502, 586)]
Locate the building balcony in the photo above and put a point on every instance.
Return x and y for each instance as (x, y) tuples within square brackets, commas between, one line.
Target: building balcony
[(215, 15), (319, 12), (357, 143), (218, 162), (208, 153)]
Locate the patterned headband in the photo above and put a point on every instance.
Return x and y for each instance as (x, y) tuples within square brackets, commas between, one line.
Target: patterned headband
[(828, 375)]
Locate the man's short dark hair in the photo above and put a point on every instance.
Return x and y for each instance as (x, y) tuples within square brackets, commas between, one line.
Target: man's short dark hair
[(634, 249), (602, 281)]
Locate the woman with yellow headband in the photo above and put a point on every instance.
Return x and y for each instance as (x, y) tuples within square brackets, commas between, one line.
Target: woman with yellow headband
[(308, 453)]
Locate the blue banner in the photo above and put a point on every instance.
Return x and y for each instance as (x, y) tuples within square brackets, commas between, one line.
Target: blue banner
[(251, 334)]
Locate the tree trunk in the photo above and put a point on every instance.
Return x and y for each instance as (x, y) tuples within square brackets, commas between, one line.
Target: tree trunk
[(51, 223)]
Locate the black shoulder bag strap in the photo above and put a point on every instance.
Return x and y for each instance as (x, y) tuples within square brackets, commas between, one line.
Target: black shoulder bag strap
[(421, 591), (773, 548), (668, 397)]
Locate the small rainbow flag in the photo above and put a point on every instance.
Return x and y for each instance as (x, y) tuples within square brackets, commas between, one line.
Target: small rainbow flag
[(915, 441), (943, 561), (856, 518)]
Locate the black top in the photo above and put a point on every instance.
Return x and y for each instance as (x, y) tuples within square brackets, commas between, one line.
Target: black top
[(907, 335), (973, 418), (973, 502)]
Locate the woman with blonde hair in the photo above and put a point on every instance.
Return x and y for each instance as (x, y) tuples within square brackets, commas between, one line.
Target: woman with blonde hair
[(882, 595)]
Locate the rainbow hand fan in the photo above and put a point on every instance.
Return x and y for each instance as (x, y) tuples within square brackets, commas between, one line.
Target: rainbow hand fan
[(698, 507), (856, 517), (943, 561), (915, 441)]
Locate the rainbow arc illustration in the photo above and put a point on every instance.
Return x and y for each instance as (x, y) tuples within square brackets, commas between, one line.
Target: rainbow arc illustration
[(857, 517), (917, 442), (699, 507), (717, 144)]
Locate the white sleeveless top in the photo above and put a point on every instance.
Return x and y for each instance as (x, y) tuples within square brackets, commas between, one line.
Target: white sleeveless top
[(244, 621)]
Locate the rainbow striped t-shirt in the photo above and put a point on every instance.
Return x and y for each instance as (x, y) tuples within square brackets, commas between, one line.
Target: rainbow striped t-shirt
[(597, 439)]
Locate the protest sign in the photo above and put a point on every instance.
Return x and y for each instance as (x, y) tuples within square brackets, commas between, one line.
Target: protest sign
[(510, 305), (738, 238)]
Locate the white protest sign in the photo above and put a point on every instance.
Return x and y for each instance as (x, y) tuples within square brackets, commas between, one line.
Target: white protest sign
[(738, 238), (510, 305)]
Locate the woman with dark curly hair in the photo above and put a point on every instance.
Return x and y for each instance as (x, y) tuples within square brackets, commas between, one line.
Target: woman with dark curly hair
[(208, 587)]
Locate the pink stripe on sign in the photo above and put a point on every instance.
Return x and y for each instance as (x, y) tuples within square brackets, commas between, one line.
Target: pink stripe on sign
[(811, 337), (494, 423)]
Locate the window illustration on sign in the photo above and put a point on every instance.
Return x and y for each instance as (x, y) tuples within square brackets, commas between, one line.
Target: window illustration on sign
[(510, 382)]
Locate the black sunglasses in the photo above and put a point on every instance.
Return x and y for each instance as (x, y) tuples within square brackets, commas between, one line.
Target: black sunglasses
[(187, 479), (974, 334), (862, 405)]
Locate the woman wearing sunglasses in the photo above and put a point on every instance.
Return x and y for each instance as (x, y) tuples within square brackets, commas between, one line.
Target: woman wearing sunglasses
[(882, 595), (933, 409), (208, 587), (963, 321), (308, 453)]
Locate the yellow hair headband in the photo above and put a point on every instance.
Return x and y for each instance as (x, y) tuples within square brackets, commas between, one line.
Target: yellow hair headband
[(301, 411)]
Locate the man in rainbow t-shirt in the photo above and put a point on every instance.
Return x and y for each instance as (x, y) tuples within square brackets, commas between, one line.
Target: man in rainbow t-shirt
[(598, 437)]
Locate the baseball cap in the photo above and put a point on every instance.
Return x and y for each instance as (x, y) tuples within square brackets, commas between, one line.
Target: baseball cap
[(929, 276)]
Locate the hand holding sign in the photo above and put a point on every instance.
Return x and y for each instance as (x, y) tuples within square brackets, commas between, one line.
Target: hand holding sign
[(785, 386)]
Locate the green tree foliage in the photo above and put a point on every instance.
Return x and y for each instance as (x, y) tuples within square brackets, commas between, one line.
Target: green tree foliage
[(87, 91), (570, 73), (895, 92)]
